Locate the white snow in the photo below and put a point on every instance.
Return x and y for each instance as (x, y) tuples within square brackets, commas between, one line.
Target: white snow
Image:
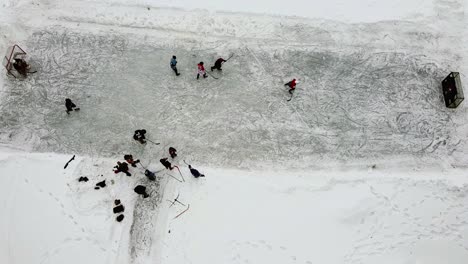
[(364, 165)]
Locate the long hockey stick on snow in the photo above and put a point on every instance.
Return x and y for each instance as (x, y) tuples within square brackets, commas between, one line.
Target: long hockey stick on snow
[(174, 177), (290, 98), (180, 173), (186, 163), (181, 213)]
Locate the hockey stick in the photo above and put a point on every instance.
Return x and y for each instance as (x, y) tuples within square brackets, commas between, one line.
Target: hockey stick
[(142, 165), (180, 173), (290, 98), (212, 76), (188, 207), (66, 165), (173, 177), (186, 163), (230, 57), (156, 143)]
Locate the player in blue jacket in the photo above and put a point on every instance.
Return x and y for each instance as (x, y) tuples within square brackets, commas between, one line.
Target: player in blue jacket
[(174, 65)]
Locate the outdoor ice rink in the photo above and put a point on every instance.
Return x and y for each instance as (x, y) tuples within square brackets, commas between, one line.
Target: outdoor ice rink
[(351, 103), (363, 165)]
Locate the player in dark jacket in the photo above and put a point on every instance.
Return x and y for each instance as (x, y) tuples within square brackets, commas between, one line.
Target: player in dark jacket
[(140, 136), (166, 164), (218, 64), (70, 106), (21, 66)]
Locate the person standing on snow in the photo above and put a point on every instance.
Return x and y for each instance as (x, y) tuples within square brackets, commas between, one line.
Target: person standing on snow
[(174, 65), (201, 70), (218, 64), (292, 85)]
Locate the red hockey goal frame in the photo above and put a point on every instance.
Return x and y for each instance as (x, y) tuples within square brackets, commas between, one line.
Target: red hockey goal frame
[(11, 54)]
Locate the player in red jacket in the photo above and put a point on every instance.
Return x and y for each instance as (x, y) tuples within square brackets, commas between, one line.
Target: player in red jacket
[(292, 85), (201, 70)]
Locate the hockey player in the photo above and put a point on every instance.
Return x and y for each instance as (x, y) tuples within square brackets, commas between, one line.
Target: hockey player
[(172, 152), (141, 190), (201, 70), (122, 167), (140, 136), (70, 106), (21, 66), (174, 65), (292, 85), (167, 164), (195, 172), (129, 159), (218, 64)]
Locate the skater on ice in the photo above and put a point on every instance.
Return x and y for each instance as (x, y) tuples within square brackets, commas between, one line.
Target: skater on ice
[(140, 136), (129, 159), (201, 70), (291, 85), (70, 106), (174, 65), (172, 152), (122, 167), (195, 172), (218, 64)]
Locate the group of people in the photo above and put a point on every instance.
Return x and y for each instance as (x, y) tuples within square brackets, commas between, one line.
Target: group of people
[(123, 166), (200, 67)]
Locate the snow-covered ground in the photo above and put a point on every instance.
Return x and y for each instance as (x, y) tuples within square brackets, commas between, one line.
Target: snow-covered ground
[(364, 165)]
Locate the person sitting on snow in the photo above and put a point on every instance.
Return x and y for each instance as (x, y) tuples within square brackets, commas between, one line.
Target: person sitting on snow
[(122, 167), (195, 172), (172, 152), (129, 159)]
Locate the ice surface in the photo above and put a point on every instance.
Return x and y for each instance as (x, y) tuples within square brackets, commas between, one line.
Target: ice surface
[(352, 103)]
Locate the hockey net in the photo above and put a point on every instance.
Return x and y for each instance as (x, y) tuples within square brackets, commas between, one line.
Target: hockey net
[(13, 52)]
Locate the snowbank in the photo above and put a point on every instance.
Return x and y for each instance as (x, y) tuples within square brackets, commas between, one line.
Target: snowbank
[(234, 216), (321, 217)]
